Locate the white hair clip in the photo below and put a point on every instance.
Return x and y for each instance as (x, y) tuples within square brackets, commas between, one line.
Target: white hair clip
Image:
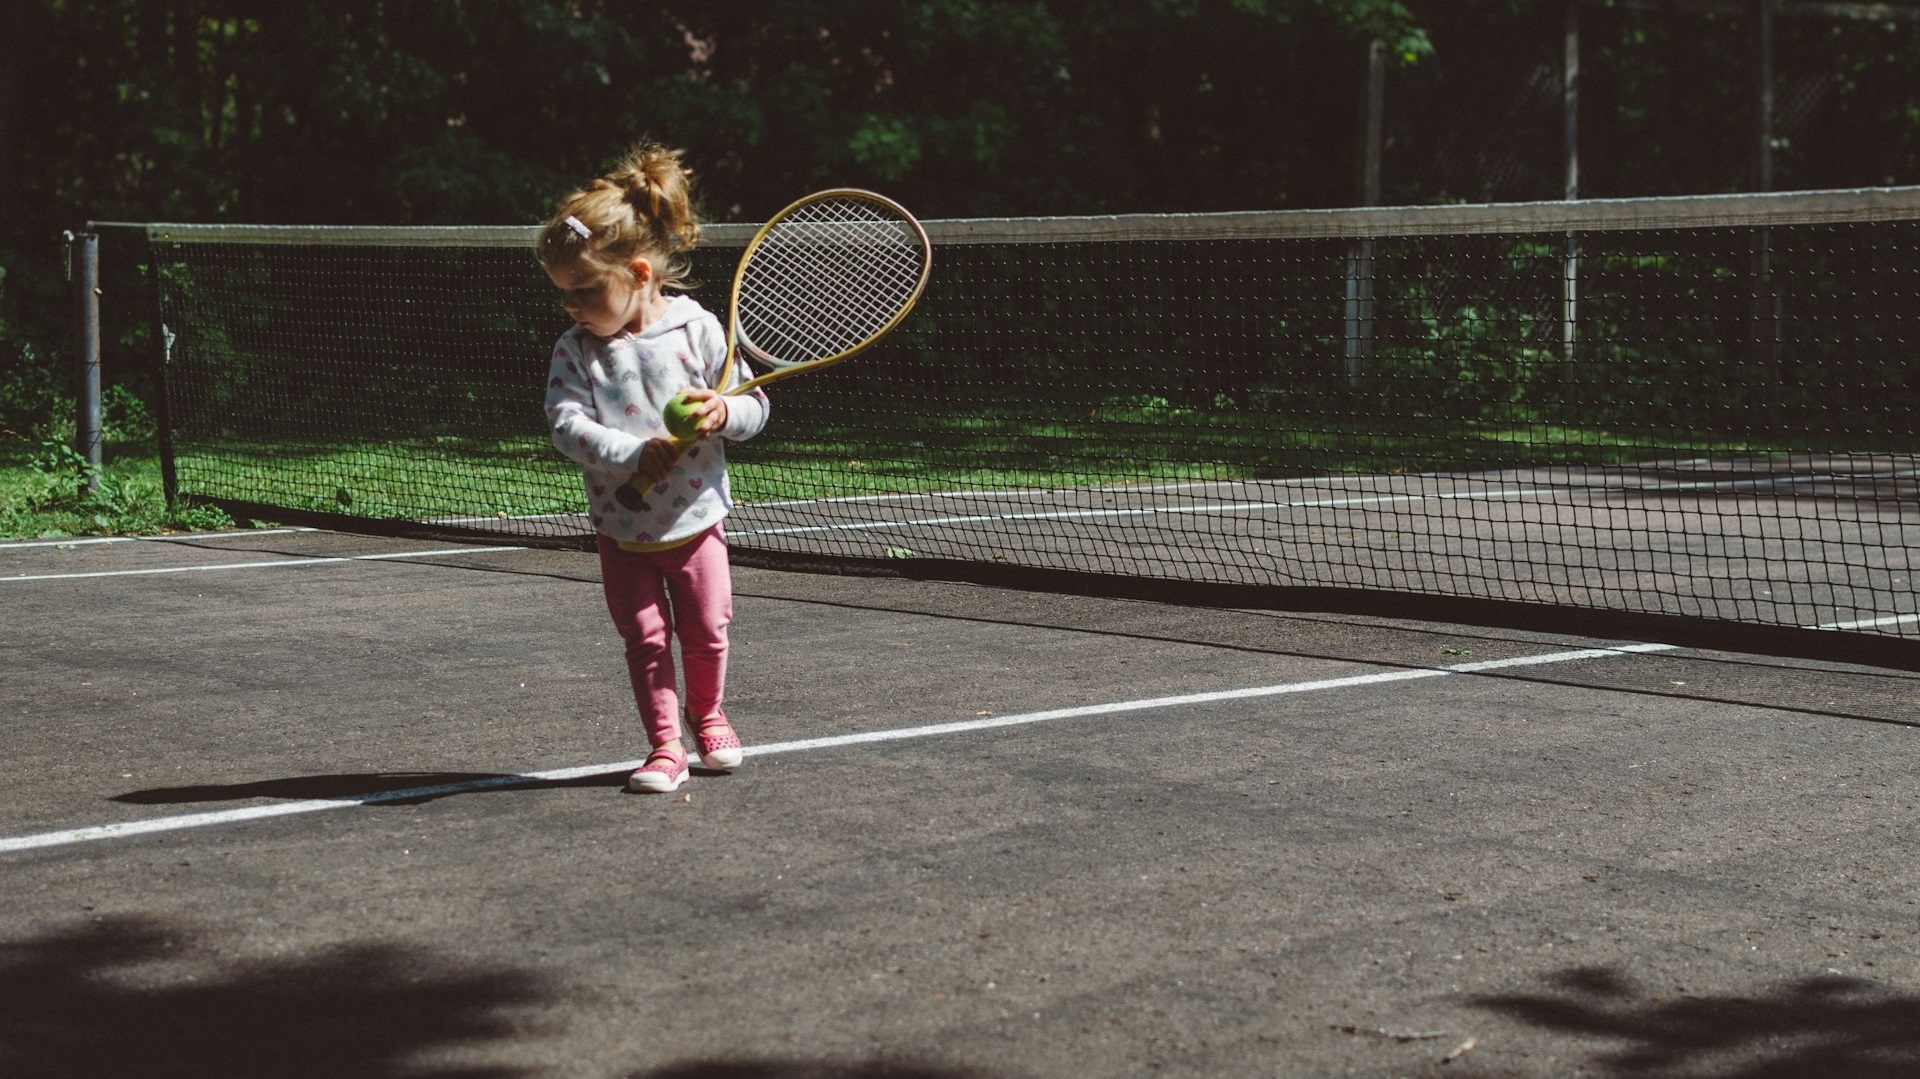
[(580, 227)]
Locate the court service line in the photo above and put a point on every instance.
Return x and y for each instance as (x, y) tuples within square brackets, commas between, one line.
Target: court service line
[(183, 537), (1335, 500), (1491, 494), (71, 836), (1324, 482), (281, 563), (1872, 623), (1085, 515)]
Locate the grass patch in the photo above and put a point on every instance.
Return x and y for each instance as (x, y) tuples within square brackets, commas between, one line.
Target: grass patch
[(449, 476), (49, 490), (819, 452), (414, 479), (45, 494)]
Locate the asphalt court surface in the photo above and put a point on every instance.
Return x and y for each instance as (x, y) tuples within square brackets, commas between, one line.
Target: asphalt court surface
[(1203, 843)]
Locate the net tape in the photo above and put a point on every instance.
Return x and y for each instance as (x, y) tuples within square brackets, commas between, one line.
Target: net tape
[(1874, 204)]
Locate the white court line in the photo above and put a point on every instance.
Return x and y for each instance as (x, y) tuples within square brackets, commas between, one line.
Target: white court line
[(185, 537), (1003, 492), (282, 563), (1070, 515), (567, 518), (1864, 623), (1201, 698), (979, 495), (71, 836), (1307, 482), (1492, 494), (1303, 483)]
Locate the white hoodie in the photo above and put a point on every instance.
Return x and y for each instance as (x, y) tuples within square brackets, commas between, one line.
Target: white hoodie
[(604, 402)]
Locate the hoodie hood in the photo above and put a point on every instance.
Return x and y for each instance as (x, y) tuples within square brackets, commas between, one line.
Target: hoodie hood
[(681, 312)]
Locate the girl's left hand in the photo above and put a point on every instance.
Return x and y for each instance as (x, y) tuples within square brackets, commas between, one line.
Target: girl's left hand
[(709, 406)]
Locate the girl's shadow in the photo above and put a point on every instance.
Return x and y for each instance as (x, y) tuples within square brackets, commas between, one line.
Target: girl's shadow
[(368, 788)]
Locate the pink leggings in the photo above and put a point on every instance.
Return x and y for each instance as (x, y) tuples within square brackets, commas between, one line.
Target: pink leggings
[(684, 592)]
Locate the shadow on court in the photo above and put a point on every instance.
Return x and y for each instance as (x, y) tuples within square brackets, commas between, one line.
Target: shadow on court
[(97, 1000), (797, 1069), (367, 787), (1815, 1027), (86, 1002)]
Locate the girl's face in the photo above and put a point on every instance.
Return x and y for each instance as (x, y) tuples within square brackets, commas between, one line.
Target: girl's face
[(605, 302)]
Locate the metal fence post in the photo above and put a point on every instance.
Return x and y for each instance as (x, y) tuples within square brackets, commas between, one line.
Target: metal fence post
[(87, 288)]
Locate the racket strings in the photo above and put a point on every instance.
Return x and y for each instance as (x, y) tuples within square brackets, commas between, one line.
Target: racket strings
[(840, 308), (813, 299), (827, 280)]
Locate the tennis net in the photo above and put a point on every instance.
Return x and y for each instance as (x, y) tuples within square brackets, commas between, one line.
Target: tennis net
[(1683, 415)]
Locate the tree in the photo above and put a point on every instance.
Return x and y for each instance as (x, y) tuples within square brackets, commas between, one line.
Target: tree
[(450, 111)]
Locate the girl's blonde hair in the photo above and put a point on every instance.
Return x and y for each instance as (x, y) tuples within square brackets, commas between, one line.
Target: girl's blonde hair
[(642, 208)]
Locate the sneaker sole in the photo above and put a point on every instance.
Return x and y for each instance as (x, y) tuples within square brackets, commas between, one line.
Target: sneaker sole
[(654, 783)]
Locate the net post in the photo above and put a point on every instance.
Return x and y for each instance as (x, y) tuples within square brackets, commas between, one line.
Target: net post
[(163, 373), (1359, 311), (1570, 106), (86, 278), (1765, 316), (1359, 292)]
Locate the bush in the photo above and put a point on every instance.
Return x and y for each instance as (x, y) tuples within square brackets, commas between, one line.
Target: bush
[(58, 492)]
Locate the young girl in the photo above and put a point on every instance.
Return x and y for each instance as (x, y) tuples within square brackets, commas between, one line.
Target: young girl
[(613, 248)]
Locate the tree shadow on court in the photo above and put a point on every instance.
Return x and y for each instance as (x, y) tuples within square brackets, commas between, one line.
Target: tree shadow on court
[(796, 1069), (373, 788), (134, 996), (1826, 1026)]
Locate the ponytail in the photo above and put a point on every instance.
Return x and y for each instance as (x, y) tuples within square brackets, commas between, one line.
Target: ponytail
[(641, 208), (657, 187)]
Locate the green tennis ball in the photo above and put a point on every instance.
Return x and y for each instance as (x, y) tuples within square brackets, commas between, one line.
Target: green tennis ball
[(681, 421)]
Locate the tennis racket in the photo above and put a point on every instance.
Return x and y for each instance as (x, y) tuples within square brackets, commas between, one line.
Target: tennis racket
[(822, 281)]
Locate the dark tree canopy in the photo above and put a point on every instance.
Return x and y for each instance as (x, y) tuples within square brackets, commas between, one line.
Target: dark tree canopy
[(481, 111)]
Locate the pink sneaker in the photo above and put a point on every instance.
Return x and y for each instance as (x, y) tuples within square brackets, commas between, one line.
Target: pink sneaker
[(719, 745), (664, 771)]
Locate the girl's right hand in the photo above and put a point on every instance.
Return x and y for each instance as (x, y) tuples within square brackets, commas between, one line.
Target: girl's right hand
[(657, 458)]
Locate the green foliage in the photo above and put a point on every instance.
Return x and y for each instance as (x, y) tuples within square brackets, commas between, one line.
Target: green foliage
[(456, 110), (48, 488), (127, 416), (888, 146), (55, 489), (1390, 21), (27, 381)]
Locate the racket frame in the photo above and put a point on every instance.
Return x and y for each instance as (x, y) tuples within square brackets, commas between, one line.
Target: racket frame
[(727, 387)]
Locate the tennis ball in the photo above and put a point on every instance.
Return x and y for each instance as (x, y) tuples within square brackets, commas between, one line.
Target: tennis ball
[(681, 422)]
